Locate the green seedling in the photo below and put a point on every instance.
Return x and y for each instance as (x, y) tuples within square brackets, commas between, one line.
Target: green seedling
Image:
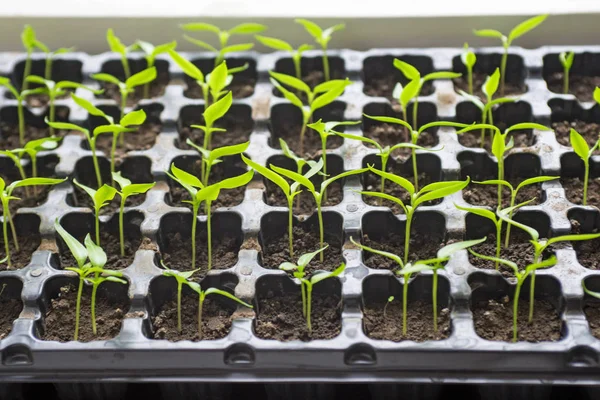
[(566, 59), (54, 90), (91, 272), (6, 195), (300, 163), (100, 198), (540, 245), (468, 59), (212, 157), (389, 300), (278, 44), (515, 33), (322, 38), (126, 88), (319, 97), (581, 148), (413, 88), (127, 189), (118, 47), (414, 137), (521, 275), (306, 285), (202, 193), (28, 38), (430, 192), (317, 194), (151, 52), (224, 36)]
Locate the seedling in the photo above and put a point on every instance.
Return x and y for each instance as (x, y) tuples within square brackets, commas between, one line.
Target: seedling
[(581, 148), (566, 59), (202, 193), (100, 198), (515, 33), (28, 38), (521, 275), (389, 300), (306, 285), (282, 45), (6, 195), (20, 97), (117, 46), (585, 289), (92, 272), (56, 89), (127, 189), (224, 36), (300, 162), (417, 82), (322, 37), (319, 97), (212, 157), (433, 191), (126, 88), (469, 59), (151, 52)]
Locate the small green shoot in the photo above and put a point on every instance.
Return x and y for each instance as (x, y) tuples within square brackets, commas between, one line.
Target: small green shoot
[(278, 44), (322, 38), (515, 33), (566, 59), (581, 148), (389, 300), (28, 38), (212, 157), (300, 163), (468, 59), (100, 198), (151, 52), (118, 47)]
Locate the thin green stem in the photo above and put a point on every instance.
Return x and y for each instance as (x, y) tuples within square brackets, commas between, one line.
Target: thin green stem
[(302, 131), (113, 151), (201, 298), (149, 64), (308, 306), (498, 242), (414, 166), (121, 227), (95, 161), (483, 121), (501, 178), (585, 180), (13, 229), (209, 233), (205, 95), (434, 300), (299, 171), (94, 290), (415, 111), (503, 70), (297, 68), (325, 64), (407, 235), (516, 308), (405, 304), (78, 308), (536, 259), (384, 161), (303, 291), (290, 226), (23, 175), (321, 230), (179, 287), (5, 231), (566, 81), (21, 116), (26, 71), (97, 226), (513, 196), (48, 68), (194, 222), (470, 79), (52, 111), (126, 68), (124, 95)]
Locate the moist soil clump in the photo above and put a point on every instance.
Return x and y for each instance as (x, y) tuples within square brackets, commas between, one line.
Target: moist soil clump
[(19, 259), (579, 85), (177, 252), (422, 247), (574, 191), (143, 139), (276, 198), (487, 195), (592, 313), (11, 309), (588, 251), (38, 196), (521, 138), (589, 131), (9, 138)]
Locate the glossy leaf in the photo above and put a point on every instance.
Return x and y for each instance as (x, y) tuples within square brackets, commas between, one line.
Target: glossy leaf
[(589, 292), (525, 27), (236, 181), (390, 120), (597, 95), (78, 250), (441, 75), (66, 126), (482, 212), (137, 117), (229, 150), (468, 58), (329, 181), (580, 146), (37, 79), (217, 80), (185, 177), (473, 99), (313, 29), (498, 145), (28, 37), (566, 58), (288, 95), (217, 109), (415, 269), (550, 262), (508, 263), (398, 180), (274, 43), (491, 84), (496, 182), (305, 259), (200, 43), (33, 182), (114, 43), (270, 175), (410, 72), (360, 138), (504, 216), (237, 47), (386, 197), (95, 253), (537, 179), (226, 294), (104, 195), (328, 97), (441, 123), (141, 78), (492, 33), (248, 28), (106, 78), (290, 80), (451, 188), (288, 266), (89, 107), (527, 125), (200, 26), (326, 275), (209, 193), (330, 84), (409, 92), (187, 66), (450, 249), (573, 238), (294, 176), (386, 254)]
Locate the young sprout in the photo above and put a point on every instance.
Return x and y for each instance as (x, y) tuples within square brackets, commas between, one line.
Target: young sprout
[(521, 275), (100, 198), (224, 36), (433, 191), (212, 157), (117, 46), (566, 59), (469, 59), (151, 52), (581, 148), (28, 38), (417, 82), (515, 33), (389, 300), (306, 285), (126, 88), (300, 163), (6, 195), (322, 95), (49, 53), (278, 44), (55, 90), (127, 189), (322, 38)]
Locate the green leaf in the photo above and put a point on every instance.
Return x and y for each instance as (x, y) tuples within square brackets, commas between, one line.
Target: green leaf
[(544, 264), (137, 188), (525, 27), (491, 84), (141, 78), (247, 29), (328, 97), (104, 195), (237, 47), (326, 275), (164, 48), (274, 43), (504, 216), (305, 259), (482, 212), (537, 179), (115, 279), (66, 126), (443, 191), (579, 145), (329, 181), (37, 79), (415, 268), (218, 78), (508, 263), (89, 107), (209, 193), (386, 197), (496, 182), (473, 99), (331, 84), (441, 75), (187, 66), (288, 266), (270, 175), (288, 95), (468, 58), (597, 95), (410, 72), (96, 254), (147, 47), (33, 182), (566, 58), (229, 150), (589, 292), (360, 138), (313, 29), (296, 177), (236, 181), (200, 26), (288, 152), (498, 145), (292, 81), (450, 249), (492, 33), (398, 180), (573, 238), (121, 180), (441, 123), (474, 127), (391, 120), (185, 177), (527, 125), (77, 249), (133, 118), (106, 78), (303, 48), (409, 92), (391, 256), (226, 294), (217, 109), (315, 167), (327, 32), (200, 43), (47, 143), (114, 43), (28, 37)]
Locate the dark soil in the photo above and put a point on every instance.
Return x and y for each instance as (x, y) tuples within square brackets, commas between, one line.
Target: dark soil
[(384, 87), (82, 199), (177, 253), (38, 196), (11, 309), (290, 132), (419, 322), (479, 78), (27, 245), (588, 253), (589, 130), (579, 85), (487, 195), (493, 321), (422, 247), (40, 99), (280, 317), (574, 191), (216, 320), (275, 197), (143, 139), (312, 77), (157, 88), (473, 139), (277, 251), (592, 313), (390, 135), (238, 131), (60, 318), (241, 87), (9, 137), (111, 245)]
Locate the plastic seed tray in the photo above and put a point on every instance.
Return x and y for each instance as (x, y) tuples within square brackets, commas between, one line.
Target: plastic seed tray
[(260, 115)]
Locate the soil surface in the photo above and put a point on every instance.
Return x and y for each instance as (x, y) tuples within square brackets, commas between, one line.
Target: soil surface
[(11, 309), (419, 322), (487, 195), (280, 317), (290, 132), (312, 77), (592, 313), (19, 259), (493, 321), (9, 138), (384, 87), (589, 130), (305, 200), (241, 87), (277, 250), (143, 139), (60, 318), (82, 199), (422, 247), (157, 89), (579, 85), (473, 139), (390, 135), (216, 320), (479, 78), (238, 131), (574, 190), (38, 196)]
